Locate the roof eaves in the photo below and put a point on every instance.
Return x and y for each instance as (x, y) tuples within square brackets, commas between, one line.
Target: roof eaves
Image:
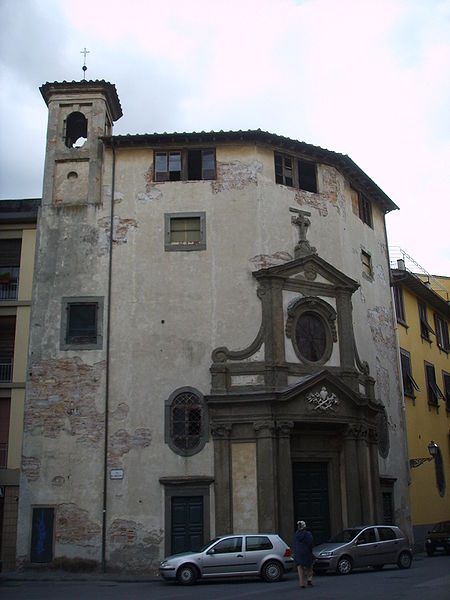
[(343, 163), (421, 290)]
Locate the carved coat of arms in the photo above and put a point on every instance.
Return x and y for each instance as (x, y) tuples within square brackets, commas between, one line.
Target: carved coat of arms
[(323, 400)]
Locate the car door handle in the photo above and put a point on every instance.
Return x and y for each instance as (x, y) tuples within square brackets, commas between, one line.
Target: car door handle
[(240, 556)]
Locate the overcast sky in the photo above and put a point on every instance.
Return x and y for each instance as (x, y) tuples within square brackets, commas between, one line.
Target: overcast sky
[(368, 78)]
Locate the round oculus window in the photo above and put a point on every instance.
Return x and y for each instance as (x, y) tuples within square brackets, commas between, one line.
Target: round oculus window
[(311, 336)]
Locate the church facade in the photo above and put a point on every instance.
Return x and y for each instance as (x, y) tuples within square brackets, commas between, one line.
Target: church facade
[(212, 344)]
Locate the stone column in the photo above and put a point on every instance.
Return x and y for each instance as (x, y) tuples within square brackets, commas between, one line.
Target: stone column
[(375, 474), (352, 486), (222, 478), (365, 481), (271, 296), (345, 328), (266, 474), (285, 486)]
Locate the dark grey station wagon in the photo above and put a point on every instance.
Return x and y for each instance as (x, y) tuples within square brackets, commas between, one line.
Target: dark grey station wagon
[(365, 546)]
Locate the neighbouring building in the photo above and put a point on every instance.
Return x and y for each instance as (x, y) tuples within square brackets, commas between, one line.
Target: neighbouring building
[(17, 243), (423, 317), (212, 342)]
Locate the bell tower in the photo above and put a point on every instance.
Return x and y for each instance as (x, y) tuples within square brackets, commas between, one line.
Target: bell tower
[(80, 113)]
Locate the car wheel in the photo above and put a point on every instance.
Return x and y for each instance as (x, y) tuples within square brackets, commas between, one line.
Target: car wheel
[(447, 550), (272, 571), (378, 567), (404, 560), (187, 575), (430, 551), (344, 566)]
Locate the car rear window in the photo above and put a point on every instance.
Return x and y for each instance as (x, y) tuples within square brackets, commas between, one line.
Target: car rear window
[(386, 533), (258, 542)]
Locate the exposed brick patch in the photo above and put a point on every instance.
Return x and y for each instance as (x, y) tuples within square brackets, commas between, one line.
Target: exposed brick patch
[(31, 467), (122, 442), (122, 532), (121, 228), (149, 183), (262, 261), (320, 202), (236, 175), (61, 398), (121, 412), (73, 526), (134, 548), (380, 322)]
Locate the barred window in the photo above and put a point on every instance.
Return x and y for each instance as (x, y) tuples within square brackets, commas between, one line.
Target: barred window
[(186, 427)]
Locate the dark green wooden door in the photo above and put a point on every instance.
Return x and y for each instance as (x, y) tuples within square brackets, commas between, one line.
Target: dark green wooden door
[(187, 523), (311, 502)]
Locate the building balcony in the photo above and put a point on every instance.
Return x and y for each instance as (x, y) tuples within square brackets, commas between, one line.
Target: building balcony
[(9, 283), (8, 291), (6, 370)]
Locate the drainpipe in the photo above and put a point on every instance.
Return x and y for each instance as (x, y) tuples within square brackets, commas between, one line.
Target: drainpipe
[(108, 329)]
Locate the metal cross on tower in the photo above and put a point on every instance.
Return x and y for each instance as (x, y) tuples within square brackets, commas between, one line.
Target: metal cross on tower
[(84, 67)]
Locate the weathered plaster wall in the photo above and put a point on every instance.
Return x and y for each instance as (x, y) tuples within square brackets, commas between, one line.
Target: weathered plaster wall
[(169, 310)]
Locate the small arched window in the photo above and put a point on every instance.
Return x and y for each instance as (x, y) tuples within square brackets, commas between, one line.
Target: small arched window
[(76, 130), (186, 423)]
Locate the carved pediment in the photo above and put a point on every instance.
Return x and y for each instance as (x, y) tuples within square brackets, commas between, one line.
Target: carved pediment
[(309, 268), (323, 395)]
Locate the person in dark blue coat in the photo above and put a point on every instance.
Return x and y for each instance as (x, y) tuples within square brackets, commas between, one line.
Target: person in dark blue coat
[(303, 544)]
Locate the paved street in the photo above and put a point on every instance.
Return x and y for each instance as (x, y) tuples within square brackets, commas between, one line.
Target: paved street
[(428, 578)]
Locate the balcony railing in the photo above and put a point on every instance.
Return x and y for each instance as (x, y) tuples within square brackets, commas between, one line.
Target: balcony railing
[(6, 370), (9, 282), (3, 455), (8, 291)]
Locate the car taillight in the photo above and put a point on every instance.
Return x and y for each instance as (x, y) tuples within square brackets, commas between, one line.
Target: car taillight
[(287, 553)]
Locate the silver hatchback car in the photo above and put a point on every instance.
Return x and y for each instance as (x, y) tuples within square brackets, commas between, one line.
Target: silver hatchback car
[(263, 554), (365, 546)]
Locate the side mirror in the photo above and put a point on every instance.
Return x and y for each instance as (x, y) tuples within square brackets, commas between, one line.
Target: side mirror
[(211, 551)]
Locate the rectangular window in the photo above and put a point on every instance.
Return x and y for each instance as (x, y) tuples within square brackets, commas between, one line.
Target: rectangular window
[(185, 231), (446, 381), (399, 303), (295, 172), (366, 260), (186, 165), (441, 333), (365, 209), (7, 340), (81, 323), (5, 409), (425, 328), (409, 385), (307, 176), (434, 393), (9, 268)]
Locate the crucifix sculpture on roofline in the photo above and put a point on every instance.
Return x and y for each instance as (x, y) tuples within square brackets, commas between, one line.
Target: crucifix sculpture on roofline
[(303, 247)]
